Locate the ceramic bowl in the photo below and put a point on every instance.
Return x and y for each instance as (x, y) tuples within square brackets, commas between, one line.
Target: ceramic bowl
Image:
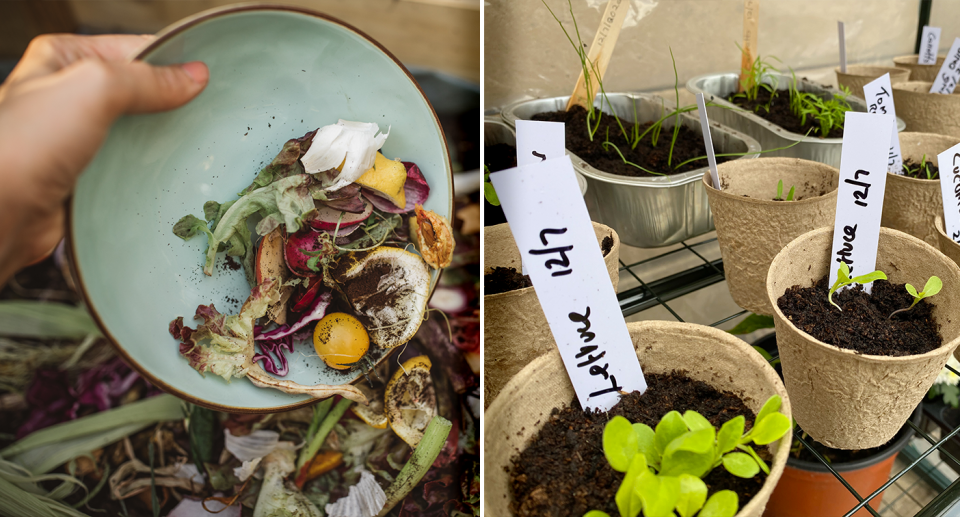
[(275, 74)]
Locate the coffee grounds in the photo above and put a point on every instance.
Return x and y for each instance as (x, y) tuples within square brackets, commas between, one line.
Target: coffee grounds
[(781, 114), (912, 169), (864, 325), (506, 279), (689, 145), (564, 473)]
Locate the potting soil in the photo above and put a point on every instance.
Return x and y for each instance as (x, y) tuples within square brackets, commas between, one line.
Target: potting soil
[(505, 279), (498, 157), (564, 473), (912, 169), (781, 114)]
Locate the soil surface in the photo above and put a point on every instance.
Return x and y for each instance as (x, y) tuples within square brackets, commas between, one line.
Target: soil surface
[(780, 113), (864, 324), (912, 170), (689, 145), (564, 473), (606, 245), (506, 279)]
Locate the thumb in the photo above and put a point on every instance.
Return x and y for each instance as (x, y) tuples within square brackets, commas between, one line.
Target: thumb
[(138, 87)]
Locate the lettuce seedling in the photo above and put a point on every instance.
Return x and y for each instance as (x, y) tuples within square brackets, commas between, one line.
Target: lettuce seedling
[(843, 279), (664, 467), (488, 191), (932, 287), (780, 191)]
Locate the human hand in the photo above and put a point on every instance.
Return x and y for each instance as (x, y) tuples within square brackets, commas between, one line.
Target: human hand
[(55, 110)]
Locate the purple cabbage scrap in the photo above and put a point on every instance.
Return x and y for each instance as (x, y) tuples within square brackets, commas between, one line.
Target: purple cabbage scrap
[(316, 312), (275, 347)]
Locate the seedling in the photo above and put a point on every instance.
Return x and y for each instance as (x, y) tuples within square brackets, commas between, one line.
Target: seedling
[(780, 192), (932, 287), (830, 114), (843, 279), (488, 191), (923, 169), (664, 468)]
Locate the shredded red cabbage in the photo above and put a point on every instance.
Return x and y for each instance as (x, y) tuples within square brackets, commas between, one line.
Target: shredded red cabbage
[(275, 347), (317, 311)]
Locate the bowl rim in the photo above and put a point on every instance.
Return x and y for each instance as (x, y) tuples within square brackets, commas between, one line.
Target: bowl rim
[(162, 37)]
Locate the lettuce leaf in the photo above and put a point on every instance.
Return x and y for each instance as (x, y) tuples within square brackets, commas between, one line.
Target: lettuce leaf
[(285, 164)]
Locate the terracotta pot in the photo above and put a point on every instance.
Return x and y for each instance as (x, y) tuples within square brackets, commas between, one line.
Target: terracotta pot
[(918, 72), (807, 488), (926, 112), (752, 230), (948, 246), (704, 353), (857, 76), (515, 328), (911, 205), (847, 400)]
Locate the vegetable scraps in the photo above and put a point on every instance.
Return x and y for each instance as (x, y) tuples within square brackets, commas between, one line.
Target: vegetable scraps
[(331, 216)]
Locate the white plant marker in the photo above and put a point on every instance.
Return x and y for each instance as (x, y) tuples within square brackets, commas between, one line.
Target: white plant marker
[(538, 141), (949, 162), (708, 141), (879, 97), (949, 73), (550, 223), (929, 45), (843, 48), (863, 178)]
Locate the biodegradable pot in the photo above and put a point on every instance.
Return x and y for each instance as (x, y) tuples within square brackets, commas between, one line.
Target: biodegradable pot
[(857, 76), (918, 72), (911, 205), (926, 112), (515, 328), (703, 353), (847, 400), (752, 230), (948, 246)]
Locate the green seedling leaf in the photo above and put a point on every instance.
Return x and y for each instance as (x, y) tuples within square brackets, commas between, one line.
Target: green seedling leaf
[(740, 465), (724, 503), (772, 405), (752, 323), (596, 513), (770, 429), (912, 290), (695, 421), (763, 353), (869, 277), (749, 450), (670, 427), (932, 287), (843, 279), (658, 493), (647, 444), (628, 502), (693, 493), (489, 192), (791, 193), (619, 443), (729, 436), (691, 453), (780, 189)]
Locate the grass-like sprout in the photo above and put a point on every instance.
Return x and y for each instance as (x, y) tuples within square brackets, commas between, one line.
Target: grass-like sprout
[(843, 279), (830, 114), (780, 192), (923, 169), (752, 81), (932, 287)]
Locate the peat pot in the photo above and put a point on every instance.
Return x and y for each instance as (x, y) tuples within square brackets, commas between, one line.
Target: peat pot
[(911, 205), (704, 353), (752, 228), (948, 246), (857, 76), (645, 212), (717, 87), (515, 328), (918, 72), (847, 400), (927, 112)]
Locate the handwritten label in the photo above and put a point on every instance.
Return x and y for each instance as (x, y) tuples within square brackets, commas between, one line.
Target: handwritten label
[(550, 223), (843, 48), (880, 100), (863, 179), (536, 142), (708, 141), (946, 80), (949, 160), (600, 52), (929, 45)]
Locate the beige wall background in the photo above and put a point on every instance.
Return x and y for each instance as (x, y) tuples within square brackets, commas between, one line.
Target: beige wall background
[(527, 54)]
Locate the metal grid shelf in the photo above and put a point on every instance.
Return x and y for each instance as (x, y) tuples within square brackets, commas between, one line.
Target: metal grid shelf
[(662, 290)]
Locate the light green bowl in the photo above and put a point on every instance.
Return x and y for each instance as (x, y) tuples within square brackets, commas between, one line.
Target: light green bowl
[(275, 74)]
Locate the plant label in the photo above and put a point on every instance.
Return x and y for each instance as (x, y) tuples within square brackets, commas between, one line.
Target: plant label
[(708, 141), (550, 223), (863, 178), (929, 45), (598, 57), (880, 101), (843, 48), (949, 162), (751, 18), (946, 80), (538, 141)]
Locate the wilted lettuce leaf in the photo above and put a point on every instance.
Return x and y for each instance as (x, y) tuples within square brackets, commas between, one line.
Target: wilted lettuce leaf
[(285, 164)]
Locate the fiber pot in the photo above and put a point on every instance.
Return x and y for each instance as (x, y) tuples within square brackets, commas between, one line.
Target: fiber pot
[(947, 245), (911, 205), (646, 212), (927, 112), (704, 353), (857, 76), (515, 328), (752, 230), (847, 400), (918, 72)]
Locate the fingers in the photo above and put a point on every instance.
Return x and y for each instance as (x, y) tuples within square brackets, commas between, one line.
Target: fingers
[(49, 53)]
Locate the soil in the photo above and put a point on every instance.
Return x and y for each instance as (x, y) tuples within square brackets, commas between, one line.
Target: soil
[(506, 279), (606, 245), (910, 165), (781, 115), (689, 145), (563, 472), (864, 324)]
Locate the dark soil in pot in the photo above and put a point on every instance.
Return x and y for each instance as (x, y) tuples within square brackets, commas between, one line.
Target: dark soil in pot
[(497, 157), (564, 473), (781, 114), (689, 145), (506, 279), (864, 325), (912, 169)]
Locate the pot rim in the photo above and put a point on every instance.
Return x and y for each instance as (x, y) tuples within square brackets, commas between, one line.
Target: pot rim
[(889, 69), (899, 87), (905, 60), (708, 183), (941, 228), (833, 349)]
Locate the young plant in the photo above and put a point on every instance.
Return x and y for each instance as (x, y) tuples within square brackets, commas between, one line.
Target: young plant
[(752, 81), (488, 191), (923, 169), (830, 114), (932, 287), (843, 279), (780, 192), (664, 467)]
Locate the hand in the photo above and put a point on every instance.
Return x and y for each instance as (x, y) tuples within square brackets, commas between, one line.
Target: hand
[(55, 110)]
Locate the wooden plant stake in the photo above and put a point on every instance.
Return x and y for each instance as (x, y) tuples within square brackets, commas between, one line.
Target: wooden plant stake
[(600, 52), (751, 17)]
